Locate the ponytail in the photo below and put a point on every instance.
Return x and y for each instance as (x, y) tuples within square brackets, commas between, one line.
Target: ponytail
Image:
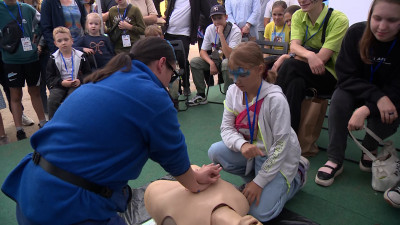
[(115, 64)]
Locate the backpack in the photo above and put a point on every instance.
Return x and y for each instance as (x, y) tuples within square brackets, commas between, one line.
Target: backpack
[(10, 36)]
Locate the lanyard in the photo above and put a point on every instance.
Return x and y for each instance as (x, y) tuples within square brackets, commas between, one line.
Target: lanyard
[(280, 33), (252, 125), (215, 42), (373, 70), (65, 64), (123, 17), (323, 21), (12, 15)]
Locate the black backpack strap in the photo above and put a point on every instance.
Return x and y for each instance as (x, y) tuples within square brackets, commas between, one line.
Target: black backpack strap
[(227, 31), (328, 15)]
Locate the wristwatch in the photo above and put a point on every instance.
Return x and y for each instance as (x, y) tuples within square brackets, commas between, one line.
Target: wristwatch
[(292, 55)]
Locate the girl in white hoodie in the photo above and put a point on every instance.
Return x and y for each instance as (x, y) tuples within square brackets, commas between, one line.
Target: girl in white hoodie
[(267, 154)]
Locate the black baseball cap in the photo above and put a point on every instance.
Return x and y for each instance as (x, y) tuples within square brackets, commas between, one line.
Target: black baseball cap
[(217, 9)]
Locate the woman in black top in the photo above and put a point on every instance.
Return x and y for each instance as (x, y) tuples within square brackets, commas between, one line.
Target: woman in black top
[(368, 71)]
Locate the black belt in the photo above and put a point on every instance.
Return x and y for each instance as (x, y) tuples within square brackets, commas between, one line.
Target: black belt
[(70, 177)]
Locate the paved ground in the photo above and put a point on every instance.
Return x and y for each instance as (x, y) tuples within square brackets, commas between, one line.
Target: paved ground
[(26, 101)]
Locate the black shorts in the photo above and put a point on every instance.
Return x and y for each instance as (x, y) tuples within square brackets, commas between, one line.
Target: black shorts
[(17, 74)]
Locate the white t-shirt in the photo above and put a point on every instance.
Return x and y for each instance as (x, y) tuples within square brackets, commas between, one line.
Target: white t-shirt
[(233, 39), (179, 22), (66, 72), (268, 9)]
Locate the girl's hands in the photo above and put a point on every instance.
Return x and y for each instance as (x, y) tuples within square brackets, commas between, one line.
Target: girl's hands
[(252, 192), (250, 151), (88, 51), (357, 120), (387, 109)]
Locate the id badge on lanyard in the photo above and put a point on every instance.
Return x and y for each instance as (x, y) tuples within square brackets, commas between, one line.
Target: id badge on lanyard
[(26, 44), (126, 40), (25, 41)]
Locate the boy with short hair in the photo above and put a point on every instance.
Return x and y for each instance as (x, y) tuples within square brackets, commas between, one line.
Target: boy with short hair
[(66, 69), (20, 57), (219, 39)]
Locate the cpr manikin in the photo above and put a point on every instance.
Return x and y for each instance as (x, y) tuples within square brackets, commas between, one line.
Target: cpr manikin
[(169, 203)]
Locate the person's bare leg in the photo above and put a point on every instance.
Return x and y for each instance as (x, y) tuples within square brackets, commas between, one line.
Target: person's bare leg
[(16, 106), (36, 100), (3, 136)]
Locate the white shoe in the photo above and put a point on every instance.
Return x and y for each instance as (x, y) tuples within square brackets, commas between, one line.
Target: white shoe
[(26, 121), (197, 100), (304, 165)]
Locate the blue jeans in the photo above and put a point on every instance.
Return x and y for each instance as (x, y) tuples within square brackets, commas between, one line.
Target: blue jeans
[(274, 195)]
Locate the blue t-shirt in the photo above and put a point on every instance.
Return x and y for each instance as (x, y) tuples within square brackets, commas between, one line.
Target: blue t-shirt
[(72, 17), (104, 132)]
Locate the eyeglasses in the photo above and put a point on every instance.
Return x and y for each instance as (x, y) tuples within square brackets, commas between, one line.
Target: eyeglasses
[(176, 73)]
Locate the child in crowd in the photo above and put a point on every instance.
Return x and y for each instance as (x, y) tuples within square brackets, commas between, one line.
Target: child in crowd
[(125, 25), (153, 30), (65, 70), (258, 142), (95, 43), (287, 15), (277, 30)]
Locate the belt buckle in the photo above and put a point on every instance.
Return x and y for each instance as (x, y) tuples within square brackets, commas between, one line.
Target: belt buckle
[(36, 157)]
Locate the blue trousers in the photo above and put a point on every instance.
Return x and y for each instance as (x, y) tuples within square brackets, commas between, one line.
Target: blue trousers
[(274, 195)]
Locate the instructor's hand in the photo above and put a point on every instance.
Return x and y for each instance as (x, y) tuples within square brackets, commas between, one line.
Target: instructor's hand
[(208, 174)]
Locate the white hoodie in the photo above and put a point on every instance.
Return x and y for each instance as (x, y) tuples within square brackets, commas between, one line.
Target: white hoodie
[(276, 137)]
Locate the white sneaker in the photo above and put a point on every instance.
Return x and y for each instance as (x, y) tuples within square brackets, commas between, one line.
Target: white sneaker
[(26, 121), (197, 100), (392, 195)]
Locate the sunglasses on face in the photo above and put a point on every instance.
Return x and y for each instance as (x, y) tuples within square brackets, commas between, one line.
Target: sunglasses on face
[(176, 73)]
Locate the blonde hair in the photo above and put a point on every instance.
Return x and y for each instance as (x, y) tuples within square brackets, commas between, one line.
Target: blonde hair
[(153, 30), (61, 30), (91, 16)]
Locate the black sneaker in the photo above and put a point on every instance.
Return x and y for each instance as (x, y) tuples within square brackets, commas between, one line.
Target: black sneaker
[(21, 135)]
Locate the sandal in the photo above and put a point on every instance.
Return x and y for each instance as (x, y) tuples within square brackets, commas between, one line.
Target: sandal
[(326, 179)]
